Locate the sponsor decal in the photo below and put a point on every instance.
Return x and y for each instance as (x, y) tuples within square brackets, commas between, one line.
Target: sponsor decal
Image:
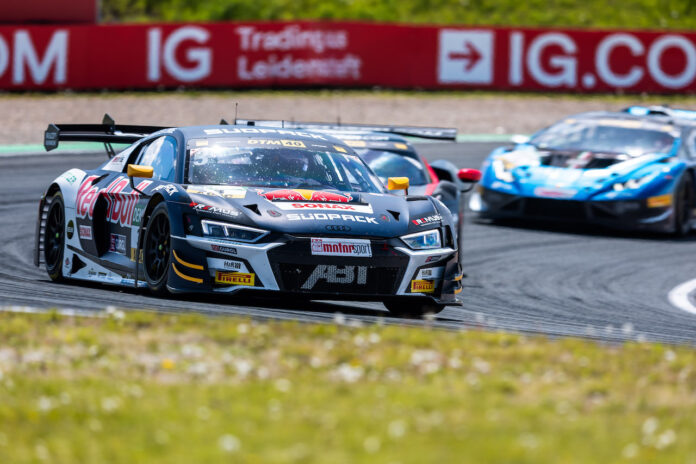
[(227, 264), (70, 178), (92, 272), (132, 255), (430, 259), (262, 130), (311, 195), (67, 262), (325, 206), (401, 146), (427, 220), (224, 192), (71, 229), (120, 205), (224, 249), (235, 278), (169, 188), (215, 209), (284, 143), (384, 217), (341, 247), (554, 192), (86, 232), (422, 286), (117, 244), (336, 275), (332, 217), (340, 149), (356, 143), (430, 273), (264, 142), (337, 228), (274, 213), (138, 212)]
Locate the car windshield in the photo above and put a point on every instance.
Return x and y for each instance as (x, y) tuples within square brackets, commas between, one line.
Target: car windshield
[(621, 136), (236, 163), (388, 164)]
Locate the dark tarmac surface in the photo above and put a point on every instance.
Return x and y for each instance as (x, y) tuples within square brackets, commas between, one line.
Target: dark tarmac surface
[(530, 278)]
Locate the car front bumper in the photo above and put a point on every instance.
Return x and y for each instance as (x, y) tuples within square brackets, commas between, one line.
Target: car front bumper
[(625, 214), (287, 265)]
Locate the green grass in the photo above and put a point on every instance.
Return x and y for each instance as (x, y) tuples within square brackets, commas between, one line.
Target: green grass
[(645, 14), (147, 388)]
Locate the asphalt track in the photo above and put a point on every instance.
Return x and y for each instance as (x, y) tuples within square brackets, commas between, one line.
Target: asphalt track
[(529, 278)]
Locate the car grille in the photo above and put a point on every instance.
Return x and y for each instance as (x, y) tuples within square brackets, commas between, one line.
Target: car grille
[(567, 209), (327, 278)]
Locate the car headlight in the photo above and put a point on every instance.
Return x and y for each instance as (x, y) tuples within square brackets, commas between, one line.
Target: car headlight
[(501, 169), (634, 183), (423, 240), (231, 231)]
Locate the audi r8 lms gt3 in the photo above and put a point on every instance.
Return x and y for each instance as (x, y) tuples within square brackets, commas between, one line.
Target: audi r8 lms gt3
[(390, 154), (631, 169), (225, 209)]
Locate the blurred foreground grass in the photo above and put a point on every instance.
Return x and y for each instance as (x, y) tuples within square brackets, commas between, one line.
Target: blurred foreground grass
[(148, 388)]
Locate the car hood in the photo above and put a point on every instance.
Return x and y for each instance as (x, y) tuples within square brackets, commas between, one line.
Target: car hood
[(296, 211), (530, 178)]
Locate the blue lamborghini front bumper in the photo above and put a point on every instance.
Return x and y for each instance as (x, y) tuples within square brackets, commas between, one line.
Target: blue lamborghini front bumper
[(653, 214)]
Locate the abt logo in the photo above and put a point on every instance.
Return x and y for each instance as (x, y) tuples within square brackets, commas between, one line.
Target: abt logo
[(465, 57), (336, 275)]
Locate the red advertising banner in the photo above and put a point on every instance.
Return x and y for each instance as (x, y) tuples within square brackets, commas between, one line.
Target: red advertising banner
[(48, 11), (350, 54)]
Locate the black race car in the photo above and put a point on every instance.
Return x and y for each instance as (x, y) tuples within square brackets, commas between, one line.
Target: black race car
[(227, 208), (387, 150)]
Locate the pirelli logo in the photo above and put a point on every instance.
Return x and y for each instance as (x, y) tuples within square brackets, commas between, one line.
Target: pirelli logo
[(235, 278), (422, 286)]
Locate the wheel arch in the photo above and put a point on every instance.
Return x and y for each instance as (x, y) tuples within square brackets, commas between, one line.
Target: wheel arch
[(51, 191)]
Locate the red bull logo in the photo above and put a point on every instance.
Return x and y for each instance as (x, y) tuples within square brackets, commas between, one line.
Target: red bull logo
[(307, 195)]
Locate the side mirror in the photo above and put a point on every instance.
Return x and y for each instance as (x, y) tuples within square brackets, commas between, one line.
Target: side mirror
[(135, 170), (469, 175), (398, 183)]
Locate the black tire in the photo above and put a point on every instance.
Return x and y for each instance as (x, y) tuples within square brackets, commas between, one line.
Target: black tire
[(412, 309), (54, 238), (684, 205), (157, 250)]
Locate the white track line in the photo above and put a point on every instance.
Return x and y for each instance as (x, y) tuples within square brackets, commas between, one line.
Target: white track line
[(679, 296)]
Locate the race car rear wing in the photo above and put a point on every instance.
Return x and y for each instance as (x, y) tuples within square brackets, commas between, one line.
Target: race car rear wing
[(107, 132), (435, 133)]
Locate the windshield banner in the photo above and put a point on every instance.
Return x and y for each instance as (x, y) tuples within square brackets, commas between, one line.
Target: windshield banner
[(344, 54)]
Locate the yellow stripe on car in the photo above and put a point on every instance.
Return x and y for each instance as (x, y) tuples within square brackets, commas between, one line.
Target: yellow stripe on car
[(185, 277), (181, 261)]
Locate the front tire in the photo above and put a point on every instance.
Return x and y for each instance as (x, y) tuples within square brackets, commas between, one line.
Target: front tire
[(684, 205), (54, 238), (157, 250), (412, 309)]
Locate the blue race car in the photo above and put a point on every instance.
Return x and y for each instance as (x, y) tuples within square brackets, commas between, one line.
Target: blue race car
[(631, 169)]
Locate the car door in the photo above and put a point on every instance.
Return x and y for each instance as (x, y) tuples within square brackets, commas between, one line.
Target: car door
[(109, 210)]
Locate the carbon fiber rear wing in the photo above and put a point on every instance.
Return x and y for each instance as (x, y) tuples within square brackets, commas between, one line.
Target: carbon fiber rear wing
[(436, 133), (107, 132)]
